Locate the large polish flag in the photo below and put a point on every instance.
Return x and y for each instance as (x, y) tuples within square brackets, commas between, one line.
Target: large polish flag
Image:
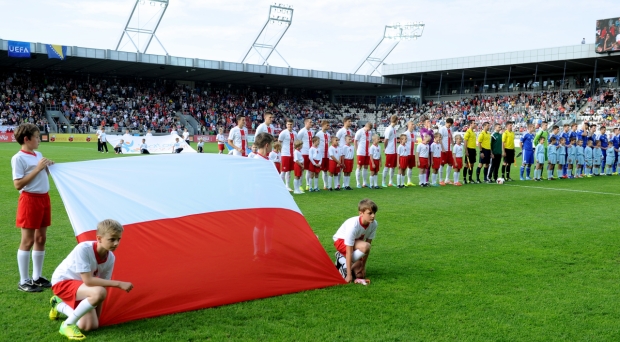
[(201, 230)]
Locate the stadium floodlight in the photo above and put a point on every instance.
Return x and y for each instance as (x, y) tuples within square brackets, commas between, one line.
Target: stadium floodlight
[(134, 26), (279, 20), (392, 35)]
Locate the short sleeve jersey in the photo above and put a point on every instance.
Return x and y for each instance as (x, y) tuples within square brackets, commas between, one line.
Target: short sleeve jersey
[(484, 138), (305, 136), (220, 139), (343, 132), (185, 135), (323, 143), (390, 140), (436, 150), (422, 150), (314, 156), (470, 138), (263, 128), (238, 137), (528, 141), (24, 163), (287, 138), (508, 139), (334, 151), (362, 137), (352, 229), (347, 151), (458, 151), (410, 142), (84, 259), (446, 138), (274, 157), (375, 151), (298, 157), (402, 150)]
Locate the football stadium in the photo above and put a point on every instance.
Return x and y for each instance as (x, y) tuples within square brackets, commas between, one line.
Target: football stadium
[(248, 196)]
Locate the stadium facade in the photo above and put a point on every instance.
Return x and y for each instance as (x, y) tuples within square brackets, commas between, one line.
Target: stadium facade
[(574, 67)]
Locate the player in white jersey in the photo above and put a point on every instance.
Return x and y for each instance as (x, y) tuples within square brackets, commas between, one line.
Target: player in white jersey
[(411, 147), (127, 135), (186, 135), (390, 142), (298, 168), (436, 155), (274, 156), (263, 143), (30, 177), (446, 153), (403, 161), (423, 150), (315, 163), (323, 148), (335, 165), (353, 240), (104, 141), (305, 135), (221, 140), (81, 280), (375, 162), (362, 145), (287, 139), (266, 126), (347, 162), (237, 137), (144, 148), (99, 131), (148, 133), (254, 151), (457, 162), (344, 132)]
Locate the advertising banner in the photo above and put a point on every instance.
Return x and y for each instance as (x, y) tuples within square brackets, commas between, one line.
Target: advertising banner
[(19, 49), (155, 144), (63, 137), (7, 137), (205, 138)]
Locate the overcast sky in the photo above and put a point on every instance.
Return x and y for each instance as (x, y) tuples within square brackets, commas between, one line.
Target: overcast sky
[(325, 35)]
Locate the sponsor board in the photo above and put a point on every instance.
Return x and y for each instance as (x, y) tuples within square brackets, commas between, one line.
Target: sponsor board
[(62, 137), (7, 137)]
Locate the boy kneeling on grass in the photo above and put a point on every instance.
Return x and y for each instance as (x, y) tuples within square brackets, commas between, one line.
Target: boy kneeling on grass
[(353, 239), (79, 282)]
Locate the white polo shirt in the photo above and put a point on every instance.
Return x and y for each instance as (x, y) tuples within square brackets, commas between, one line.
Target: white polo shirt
[(83, 259), (24, 163), (352, 230)]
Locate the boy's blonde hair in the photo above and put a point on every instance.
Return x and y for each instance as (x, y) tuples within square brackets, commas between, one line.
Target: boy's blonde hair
[(458, 138), (315, 139), (109, 226), (298, 144), (403, 136), (375, 137), (277, 146)]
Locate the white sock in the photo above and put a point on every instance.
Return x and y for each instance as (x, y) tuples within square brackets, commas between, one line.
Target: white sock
[(391, 171), (329, 182), (456, 176), (425, 178), (65, 309), (408, 175), (37, 264), (448, 169), (364, 176), (439, 172), (308, 179), (434, 178), (337, 181), (421, 177), (287, 178), (282, 176), (385, 172), (325, 180), (376, 180), (398, 179), (295, 187), (357, 176), (347, 180), (82, 309), (23, 263), (316, 182)]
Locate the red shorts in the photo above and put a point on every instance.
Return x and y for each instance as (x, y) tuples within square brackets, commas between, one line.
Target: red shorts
[(458, 164), (375, 165), (390, 160), (403, 162), (34, 211), (278, 166), (334, 169), (314, 168), (422, 163), (287, 163), (436, 163), (306, 162), (341, 247), (67, 291), (447, 158), (220, 147), (348, 166), (325, 164), (298, 170), (411, 162), (363, 160)]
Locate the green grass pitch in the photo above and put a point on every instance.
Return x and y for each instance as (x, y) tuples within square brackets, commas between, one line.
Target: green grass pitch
[(522, 261)]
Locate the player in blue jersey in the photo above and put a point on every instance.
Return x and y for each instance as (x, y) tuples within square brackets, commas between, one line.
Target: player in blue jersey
[(616, 143), (527, 146), (604, 145), (571, 157), (609, 160), (566, 135), (561, 158), (551, 157), (540, 159), (555, 133), (581, 159)]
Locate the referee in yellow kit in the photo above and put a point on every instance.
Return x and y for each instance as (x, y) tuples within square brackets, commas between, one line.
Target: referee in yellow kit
[(484, 141), (470, 156), (508, 150)]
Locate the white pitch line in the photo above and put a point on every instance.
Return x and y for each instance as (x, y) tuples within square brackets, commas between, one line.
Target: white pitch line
[(571, 190)]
